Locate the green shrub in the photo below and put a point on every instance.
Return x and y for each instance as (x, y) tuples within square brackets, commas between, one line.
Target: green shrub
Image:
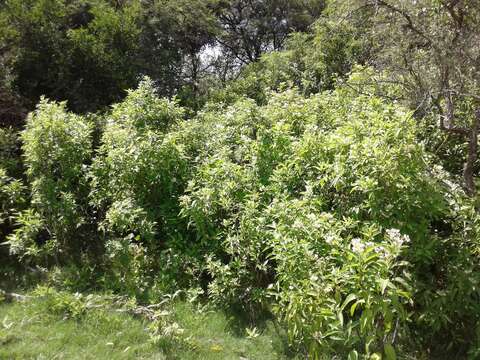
[(324, 210), (62, 303), (10, 152), (12, 199), (338, 294), (57, 147), (289, 187), (447, 317), (136, 178), (13, 194)]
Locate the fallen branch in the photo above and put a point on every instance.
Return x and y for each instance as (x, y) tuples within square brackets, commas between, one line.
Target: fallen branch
[(10, 297)]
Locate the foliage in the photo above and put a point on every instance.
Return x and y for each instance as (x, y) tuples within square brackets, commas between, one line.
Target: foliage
[(136, 177), (86, 52), (287, 189), (13, 194), (251, 28), (138, 168), (103, 55), (312, 62), (57, 146), (9, 152), (89, 51), (62, 303), (312, 188), (438, 74), (12, 200), (448, 278)]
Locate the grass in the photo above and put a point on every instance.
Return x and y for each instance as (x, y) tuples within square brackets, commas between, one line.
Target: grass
[(31, 330)]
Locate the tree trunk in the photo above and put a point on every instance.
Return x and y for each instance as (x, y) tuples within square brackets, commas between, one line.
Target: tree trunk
[(468, 169)]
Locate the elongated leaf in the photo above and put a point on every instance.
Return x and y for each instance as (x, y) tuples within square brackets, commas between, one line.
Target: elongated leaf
[(390, 352), (348, 299)]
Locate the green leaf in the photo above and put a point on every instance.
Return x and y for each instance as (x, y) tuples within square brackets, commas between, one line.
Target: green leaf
[(365, 319), (383, 285), (348, 299), (353, 355), (390, 352), (340, 317), (354, 306)]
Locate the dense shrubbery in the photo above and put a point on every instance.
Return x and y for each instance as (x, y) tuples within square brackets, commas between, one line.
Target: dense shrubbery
[(13, 193), (324, 210), (136, 178), (302, 201), (57, 146), (12, 197), (302, 188)]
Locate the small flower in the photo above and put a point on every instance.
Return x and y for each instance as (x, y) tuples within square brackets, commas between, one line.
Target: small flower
[(298, 224), (357, 245), (381, 251), (329, 239), (397, 238), (393, 233)]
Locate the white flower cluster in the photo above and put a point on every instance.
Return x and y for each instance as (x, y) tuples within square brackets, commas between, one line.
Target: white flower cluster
[(394, 235), (329, 239), (397, 238), (357, 245)]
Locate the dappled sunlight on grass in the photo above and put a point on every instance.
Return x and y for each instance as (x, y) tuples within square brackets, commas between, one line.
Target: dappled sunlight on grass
[(32, 329)]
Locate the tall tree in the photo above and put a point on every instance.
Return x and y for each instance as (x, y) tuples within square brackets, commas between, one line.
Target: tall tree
[(86, 52), (253, 27), (432, 49), (189, 26)]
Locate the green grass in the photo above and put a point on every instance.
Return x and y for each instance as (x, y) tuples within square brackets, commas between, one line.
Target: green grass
[(31, 330)]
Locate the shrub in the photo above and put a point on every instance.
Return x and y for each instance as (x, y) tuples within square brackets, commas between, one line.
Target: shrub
[(338, 294), (61, 303), (325, 210), (57, 147), (13, 194), (10, 159), (290, 188), (12, 200), (447, 315), (137, 175)]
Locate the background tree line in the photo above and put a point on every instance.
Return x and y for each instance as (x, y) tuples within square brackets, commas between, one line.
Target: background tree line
[(89, 51)]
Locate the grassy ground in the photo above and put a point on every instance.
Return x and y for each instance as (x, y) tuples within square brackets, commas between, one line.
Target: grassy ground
[(31, 330)]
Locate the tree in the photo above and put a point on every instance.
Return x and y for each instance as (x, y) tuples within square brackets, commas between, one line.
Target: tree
[(253, 27), (104, 56), (31, 47), (189, 26), (85, 52), (312, 61), (432, 49)]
